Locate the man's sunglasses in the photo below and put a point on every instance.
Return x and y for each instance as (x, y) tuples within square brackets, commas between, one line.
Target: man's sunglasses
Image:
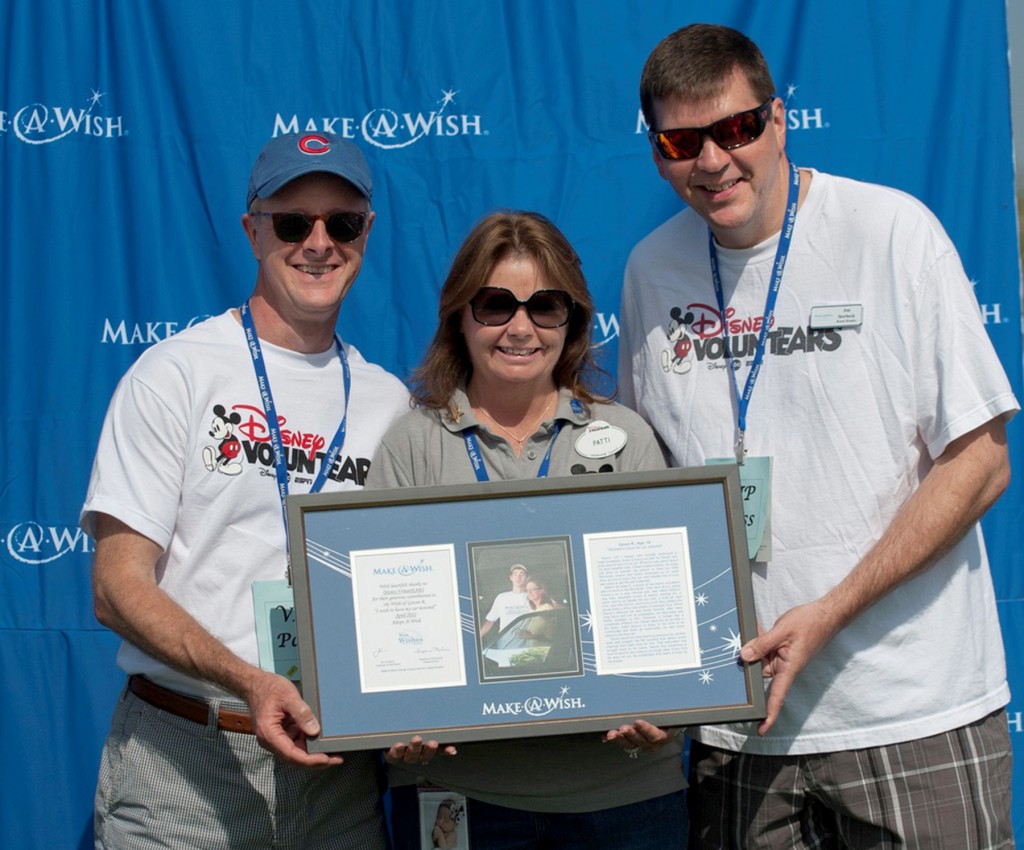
[(547, 308), (296, 227), (733, 131)]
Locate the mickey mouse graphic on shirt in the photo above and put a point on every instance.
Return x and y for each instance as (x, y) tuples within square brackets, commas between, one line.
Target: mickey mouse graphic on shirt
[(678, 357), (221, 458)]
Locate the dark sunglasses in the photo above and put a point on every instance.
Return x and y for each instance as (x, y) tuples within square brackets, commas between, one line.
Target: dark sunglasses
[(547, 308), (733, 131), (296, 227)]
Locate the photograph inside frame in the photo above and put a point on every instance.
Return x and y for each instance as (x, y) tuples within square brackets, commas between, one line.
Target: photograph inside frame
[(524, 602)]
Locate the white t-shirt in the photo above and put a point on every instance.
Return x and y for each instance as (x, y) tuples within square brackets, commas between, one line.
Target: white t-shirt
[(853, 418), (508, 605), (184, 458)]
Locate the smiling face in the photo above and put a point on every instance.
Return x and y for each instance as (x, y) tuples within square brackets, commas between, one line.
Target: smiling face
[(517, 355), (300, 285), (740, 193)]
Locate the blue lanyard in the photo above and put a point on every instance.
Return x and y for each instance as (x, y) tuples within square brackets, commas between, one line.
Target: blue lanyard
[(267, 397), (477, 459), (785, 238)]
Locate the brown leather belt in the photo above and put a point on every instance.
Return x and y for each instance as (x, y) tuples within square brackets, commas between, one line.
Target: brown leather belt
[(191, 708)]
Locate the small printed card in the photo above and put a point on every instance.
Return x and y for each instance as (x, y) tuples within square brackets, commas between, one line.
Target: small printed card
[(275, 628), (836, 316), (756, 487), (443, 822)]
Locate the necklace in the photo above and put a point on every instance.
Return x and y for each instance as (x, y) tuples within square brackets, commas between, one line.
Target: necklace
[(529, 432)]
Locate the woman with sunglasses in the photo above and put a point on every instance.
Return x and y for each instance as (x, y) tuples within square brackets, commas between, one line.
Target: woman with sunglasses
[(503, 393)]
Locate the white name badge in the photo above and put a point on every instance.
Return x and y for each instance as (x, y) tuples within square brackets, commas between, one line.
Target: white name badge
[(756, 491), (600, 440), (276, 632), (837, 316)]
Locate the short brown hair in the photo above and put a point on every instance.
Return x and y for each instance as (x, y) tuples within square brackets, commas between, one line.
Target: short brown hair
[(447, 366), (694, 64)]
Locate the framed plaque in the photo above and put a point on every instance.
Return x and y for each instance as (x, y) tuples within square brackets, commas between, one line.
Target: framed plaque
[(524, 608)]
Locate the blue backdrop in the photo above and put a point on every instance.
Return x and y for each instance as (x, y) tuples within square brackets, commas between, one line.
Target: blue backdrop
[(127, 129)]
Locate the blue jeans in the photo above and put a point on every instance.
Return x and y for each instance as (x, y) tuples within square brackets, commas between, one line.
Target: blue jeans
[(657, 824)]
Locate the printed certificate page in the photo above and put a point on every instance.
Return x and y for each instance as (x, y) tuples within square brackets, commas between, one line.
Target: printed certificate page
[(641, 601), (407, 618)]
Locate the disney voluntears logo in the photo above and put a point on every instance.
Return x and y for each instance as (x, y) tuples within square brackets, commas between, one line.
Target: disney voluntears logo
[(41, 123), (535, 706), (31, 542), (797, 117), (238, 436), (693, 335), (389, 128)]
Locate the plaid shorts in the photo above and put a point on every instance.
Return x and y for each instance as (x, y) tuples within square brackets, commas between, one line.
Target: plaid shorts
[(946, 792), (169, 782)]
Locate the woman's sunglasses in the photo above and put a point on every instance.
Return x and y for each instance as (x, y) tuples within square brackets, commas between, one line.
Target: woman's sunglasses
[(296, 227), (547, 308), (733, 131)]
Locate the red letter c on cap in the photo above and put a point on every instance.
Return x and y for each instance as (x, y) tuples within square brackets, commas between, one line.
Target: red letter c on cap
[(314, 145)]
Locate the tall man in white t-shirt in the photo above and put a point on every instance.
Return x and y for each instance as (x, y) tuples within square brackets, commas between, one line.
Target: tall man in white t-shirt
[(834, 345), (205, 436)]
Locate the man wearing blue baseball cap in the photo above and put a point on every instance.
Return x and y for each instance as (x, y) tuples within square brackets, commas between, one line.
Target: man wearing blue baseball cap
[(207, 748)]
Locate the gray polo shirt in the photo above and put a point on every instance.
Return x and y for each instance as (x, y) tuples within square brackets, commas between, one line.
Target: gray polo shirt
[(428, 447), (566, 773)]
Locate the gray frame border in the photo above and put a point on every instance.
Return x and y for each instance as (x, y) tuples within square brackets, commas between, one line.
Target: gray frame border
[(644, 485)]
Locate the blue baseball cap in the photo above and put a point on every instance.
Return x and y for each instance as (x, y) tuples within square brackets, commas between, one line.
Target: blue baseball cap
[(290, 156)]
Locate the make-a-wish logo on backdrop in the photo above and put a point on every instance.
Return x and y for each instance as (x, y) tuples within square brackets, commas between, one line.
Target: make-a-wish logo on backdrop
[(388, 128), (991, 314), (33, 543), (797, 117), (605, 329), (41, 123), (802, 117), (128, 332)]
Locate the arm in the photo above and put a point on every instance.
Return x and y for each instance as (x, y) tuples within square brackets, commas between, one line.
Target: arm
[(128, 600), (965, 481)]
